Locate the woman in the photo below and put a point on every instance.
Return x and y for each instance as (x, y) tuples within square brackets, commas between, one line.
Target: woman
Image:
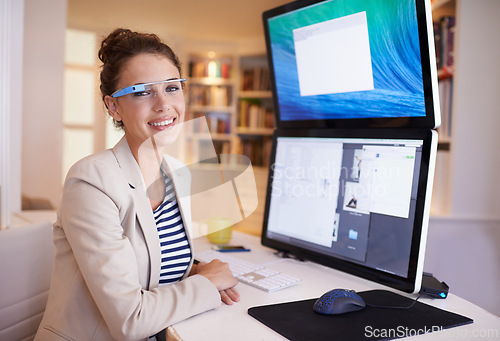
[(124, 266)]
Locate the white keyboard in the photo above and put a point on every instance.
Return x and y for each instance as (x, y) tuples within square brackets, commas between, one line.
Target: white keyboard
[(250, 273)]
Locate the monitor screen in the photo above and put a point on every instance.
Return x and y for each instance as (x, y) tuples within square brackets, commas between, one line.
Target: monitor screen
[(353, 63), (354, 200)]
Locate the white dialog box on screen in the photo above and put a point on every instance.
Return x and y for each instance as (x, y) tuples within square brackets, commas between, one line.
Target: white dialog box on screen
[(334, 56), (387, 175)]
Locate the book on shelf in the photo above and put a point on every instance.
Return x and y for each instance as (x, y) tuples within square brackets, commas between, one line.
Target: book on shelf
[(256, 79), (222, 147), (444, 32), (252, 114), (210, 68), (256, 149), (206, 149), (218, 122), (210, 95)]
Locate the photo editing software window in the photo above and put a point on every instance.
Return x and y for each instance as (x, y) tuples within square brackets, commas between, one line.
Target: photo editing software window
[(350, 198)]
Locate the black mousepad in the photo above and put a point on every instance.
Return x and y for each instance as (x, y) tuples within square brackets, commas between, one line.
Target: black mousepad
[(298, 321)]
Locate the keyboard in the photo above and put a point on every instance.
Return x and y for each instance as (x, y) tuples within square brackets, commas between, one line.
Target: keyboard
[(250, 273)]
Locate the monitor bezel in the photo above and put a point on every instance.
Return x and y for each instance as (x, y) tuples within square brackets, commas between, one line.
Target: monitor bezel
[(432, 118), (410, 284)]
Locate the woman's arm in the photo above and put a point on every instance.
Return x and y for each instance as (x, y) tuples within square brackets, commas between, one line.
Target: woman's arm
[(98, 217)]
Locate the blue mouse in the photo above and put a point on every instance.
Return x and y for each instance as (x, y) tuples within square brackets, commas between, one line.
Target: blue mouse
[(338, 301)]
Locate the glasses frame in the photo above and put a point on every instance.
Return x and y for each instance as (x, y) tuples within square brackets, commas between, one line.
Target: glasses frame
[(142, 87)]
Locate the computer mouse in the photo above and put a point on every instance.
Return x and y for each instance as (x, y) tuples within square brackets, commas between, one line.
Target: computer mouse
[(338, 301)]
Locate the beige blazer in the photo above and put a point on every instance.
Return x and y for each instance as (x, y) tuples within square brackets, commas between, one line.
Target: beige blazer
[(107, 264)]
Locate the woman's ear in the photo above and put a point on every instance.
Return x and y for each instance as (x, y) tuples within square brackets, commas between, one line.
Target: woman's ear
[(112, 106)]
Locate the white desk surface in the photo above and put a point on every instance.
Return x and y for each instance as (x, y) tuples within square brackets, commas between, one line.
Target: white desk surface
[(234, 323)]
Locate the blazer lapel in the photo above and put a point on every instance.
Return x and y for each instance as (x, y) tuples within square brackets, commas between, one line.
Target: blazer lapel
[(144, 213)]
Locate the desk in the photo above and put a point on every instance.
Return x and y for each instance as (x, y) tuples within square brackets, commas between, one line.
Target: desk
[(234, 323)]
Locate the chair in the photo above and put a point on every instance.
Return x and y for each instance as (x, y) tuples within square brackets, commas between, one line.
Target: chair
[(26, 260)]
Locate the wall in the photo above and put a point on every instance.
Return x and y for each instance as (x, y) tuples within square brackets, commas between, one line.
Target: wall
[(476, 119), (11, 34), (44, 27)]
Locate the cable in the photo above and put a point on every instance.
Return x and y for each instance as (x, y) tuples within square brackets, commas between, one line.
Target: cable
[(393, 307)]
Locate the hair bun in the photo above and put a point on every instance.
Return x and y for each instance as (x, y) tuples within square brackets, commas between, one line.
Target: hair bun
[(111, 43)]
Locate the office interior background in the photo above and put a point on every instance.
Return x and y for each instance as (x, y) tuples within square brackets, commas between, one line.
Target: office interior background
[(43, 120)]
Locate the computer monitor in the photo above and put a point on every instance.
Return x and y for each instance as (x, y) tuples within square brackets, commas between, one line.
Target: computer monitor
[(355, 200), (353, 63)]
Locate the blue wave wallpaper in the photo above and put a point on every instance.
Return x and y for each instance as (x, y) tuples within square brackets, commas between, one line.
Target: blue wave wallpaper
[(395, 57)]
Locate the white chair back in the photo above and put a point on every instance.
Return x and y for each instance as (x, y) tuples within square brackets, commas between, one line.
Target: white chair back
[(26, 260)]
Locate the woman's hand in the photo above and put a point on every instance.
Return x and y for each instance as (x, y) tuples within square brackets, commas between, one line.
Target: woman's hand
[(229, 296), (221, 276)]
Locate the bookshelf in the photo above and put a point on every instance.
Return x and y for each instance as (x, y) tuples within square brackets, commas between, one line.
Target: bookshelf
[(255, 121), (444, 22), (238, 106), (233, 93), (211, 93)]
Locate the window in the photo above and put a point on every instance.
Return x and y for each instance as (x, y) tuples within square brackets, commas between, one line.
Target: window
[(86, 126)]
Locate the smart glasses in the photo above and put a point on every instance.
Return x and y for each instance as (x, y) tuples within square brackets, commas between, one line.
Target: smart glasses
[(145, 90)]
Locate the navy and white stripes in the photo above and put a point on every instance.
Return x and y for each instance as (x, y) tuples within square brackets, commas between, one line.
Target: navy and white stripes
[(175, 249)]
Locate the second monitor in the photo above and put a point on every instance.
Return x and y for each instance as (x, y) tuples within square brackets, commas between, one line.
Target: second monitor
[(354, 200)]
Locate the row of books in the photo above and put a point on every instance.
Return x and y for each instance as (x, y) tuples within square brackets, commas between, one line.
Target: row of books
[(210, 95), (206, 148), (252, 114), (222, 147), (256, 149), (256, 79), (218, 122), (444, 31), (210, 68)]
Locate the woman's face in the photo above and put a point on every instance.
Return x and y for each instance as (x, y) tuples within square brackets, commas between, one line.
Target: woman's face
[(158, 112)]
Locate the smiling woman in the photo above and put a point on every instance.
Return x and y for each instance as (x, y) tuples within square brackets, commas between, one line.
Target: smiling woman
[(123, 232), (145, 113)]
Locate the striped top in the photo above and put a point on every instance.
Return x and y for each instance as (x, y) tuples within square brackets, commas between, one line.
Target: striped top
[(175, 249)]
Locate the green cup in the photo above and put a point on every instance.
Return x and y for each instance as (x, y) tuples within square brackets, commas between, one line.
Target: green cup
[(219, 230)]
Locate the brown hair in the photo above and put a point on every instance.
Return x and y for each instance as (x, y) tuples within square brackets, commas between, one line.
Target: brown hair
[(119, 47)]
